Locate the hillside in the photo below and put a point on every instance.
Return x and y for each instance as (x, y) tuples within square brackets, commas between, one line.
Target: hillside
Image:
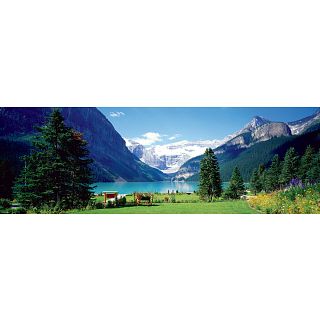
[(261, 153), (112, 160)]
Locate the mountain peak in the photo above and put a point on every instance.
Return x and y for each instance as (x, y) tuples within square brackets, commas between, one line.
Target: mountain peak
[(256, 121)]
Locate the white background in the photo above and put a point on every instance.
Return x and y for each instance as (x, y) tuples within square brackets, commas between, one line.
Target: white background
[(164, 53)]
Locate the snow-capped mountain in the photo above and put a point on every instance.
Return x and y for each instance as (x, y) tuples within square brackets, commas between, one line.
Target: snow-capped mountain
[(169, 157), (299, 126)]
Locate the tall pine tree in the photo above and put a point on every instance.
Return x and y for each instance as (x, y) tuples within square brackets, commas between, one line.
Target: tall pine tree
[(210, 184), (290, 167), (313, 174), (273, 174), (236, 187), (262, 176), (255, 184), (306, 165), (258, 179), (57, 173)]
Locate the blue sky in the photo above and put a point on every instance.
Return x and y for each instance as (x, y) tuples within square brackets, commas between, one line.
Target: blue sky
[(165, 125)]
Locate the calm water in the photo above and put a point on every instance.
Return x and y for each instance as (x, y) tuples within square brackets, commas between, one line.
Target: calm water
[(162, 186)]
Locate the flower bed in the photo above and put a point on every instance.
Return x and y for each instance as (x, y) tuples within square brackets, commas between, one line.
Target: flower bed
[(298, 199)]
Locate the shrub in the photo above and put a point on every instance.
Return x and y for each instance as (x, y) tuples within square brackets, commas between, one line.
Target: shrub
[(100, 205), (5, 203), (91, 204), (48, 209), (122, 201)]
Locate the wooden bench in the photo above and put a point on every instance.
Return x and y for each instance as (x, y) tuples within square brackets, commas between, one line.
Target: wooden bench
[(140, 198)]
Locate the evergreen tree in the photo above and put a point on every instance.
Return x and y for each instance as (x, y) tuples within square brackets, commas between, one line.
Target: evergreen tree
[(306, 165), (262, 176), (273, 175), (313, 174), (236, 187), (257, 181), (6, 179), (255, 184), (57, 173), (210, 184), (290, 166), (80, 172)]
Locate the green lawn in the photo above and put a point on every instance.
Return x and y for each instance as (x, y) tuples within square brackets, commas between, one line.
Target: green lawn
[(238, 206)]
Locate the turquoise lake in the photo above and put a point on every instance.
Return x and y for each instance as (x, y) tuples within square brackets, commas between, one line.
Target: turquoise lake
[(160, 186)]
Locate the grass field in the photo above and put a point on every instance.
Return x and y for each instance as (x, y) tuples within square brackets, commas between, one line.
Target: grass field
[(226, 207)]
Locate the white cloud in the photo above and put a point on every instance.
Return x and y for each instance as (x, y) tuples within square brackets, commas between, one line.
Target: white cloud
[(175, 136), (116, 114), (149, 138)]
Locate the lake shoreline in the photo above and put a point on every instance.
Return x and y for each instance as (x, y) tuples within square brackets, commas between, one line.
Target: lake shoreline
[(152, 187)]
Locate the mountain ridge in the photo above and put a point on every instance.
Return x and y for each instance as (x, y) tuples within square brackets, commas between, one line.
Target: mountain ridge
[(256, 131), (112, 159)]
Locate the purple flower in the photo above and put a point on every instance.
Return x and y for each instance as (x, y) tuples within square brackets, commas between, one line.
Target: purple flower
[(296, 183)]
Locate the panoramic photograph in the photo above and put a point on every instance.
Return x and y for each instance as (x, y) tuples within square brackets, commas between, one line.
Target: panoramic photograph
[(151, 160)]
